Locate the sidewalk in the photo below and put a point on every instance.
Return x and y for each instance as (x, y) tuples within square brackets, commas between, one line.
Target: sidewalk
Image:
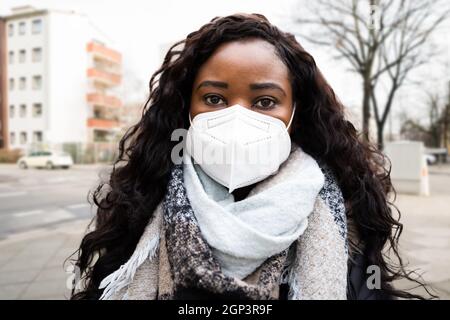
[(31, 264), (425, 241)]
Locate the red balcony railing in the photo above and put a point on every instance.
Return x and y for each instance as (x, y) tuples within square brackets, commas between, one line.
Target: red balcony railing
[(102, 123), (103, 100), (103, 52), (106, 78)]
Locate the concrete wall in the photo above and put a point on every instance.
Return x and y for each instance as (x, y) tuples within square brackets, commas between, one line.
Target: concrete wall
[(68, 35)]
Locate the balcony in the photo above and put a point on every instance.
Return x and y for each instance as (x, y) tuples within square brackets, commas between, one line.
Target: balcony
[(103, 100), (104, 78), (98, 123), (101, 52)]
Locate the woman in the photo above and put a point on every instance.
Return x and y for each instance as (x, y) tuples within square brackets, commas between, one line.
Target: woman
[(306, 223)]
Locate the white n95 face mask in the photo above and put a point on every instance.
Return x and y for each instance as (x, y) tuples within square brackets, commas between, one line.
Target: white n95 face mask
[(238, 147)]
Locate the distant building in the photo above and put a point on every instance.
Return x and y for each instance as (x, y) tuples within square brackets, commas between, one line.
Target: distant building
[(62, 84), (131, 115), (3, 87)]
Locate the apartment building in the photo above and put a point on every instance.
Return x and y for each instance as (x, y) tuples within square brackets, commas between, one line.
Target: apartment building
[(3, 87), (62, 80)]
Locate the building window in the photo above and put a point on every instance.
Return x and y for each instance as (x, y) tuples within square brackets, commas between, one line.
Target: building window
[(12, 111), (23, 137), (22, 55), (12, 137), (36, 55), (100, 136), (97, 114), (23, 111), (10, 30), (36, 26), (22, 83), (37, 82), (37, 136), (37, 110), (11, 57), (22, 28), (11, 84)]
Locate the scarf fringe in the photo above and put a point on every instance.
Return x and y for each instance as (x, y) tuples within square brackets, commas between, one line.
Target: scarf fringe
[(289, 276), (294, 287), (122, 277)]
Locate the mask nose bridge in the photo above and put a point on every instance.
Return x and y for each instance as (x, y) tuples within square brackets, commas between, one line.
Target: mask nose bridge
[(227, 114), (248, 109)]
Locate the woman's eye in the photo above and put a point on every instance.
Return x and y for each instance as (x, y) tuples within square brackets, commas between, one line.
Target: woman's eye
[(265, 103), (214, 100)]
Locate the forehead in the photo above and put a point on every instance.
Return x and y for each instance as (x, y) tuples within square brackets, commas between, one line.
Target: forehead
[(245, 60)]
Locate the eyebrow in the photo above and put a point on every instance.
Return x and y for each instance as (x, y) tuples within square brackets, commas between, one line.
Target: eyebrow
[(253, 86), (266, 85), (209, 83)]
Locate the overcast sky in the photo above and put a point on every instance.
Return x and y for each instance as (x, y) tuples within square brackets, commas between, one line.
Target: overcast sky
[(140, 29)]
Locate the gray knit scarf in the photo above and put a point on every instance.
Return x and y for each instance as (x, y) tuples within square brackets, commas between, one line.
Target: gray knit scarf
[(173, 255), (243, 234)]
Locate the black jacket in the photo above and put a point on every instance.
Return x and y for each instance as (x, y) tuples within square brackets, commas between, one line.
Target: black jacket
[(357, 281)]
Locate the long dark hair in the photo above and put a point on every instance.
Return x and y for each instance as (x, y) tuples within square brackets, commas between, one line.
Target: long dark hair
[(140, 174)]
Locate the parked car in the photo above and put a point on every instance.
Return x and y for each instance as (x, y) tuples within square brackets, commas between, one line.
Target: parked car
[(431, 159), (46, 159)]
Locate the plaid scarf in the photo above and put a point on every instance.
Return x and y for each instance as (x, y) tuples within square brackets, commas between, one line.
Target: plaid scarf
[(191, 259)]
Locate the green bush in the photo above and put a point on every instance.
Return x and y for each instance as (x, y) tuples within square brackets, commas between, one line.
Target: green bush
[(10, 156)]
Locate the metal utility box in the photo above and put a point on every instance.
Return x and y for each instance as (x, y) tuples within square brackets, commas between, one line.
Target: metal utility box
[(409, 167)]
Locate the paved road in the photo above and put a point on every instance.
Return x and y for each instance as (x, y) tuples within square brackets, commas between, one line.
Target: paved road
[(35, 198)]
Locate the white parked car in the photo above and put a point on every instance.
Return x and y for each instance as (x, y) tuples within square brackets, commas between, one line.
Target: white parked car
[(430, 158), (46, 159)]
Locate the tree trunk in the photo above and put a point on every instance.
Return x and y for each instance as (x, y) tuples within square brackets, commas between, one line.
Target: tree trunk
[(366, 109), (380, 135), (446, 120)]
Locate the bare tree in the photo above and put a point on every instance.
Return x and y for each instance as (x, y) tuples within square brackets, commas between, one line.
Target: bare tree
[(381, 40), (446, 117), (434, 132)]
